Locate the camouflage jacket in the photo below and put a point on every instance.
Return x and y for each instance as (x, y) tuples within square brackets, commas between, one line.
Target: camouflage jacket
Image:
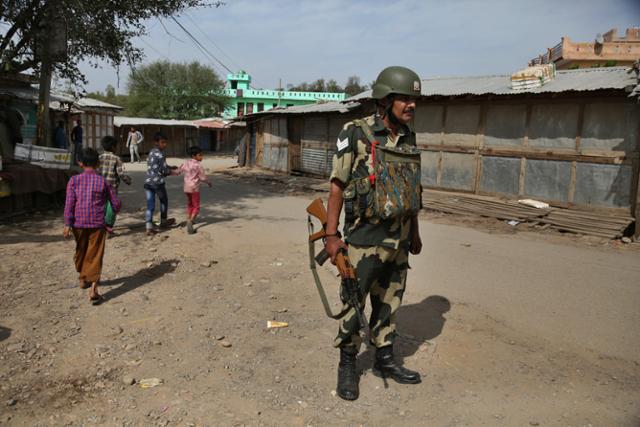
[(351, 162)]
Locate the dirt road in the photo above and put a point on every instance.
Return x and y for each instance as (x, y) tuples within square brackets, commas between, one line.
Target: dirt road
[(508, 329)]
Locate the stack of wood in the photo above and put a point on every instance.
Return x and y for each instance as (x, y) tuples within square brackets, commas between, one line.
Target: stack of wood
[(591, 223), (465, 205), (594, 224)]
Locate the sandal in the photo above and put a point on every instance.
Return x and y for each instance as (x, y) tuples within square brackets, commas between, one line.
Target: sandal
[(96, 299)]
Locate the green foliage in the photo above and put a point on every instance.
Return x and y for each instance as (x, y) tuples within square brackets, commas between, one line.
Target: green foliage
[(167, 90), (95, 30), (111, 97), (352, 87)]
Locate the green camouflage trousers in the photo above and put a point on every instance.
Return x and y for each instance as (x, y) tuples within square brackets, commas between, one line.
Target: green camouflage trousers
[(382, 275)]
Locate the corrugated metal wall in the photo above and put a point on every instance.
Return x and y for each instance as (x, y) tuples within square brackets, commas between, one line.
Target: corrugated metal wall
[(567, 151), (319, 133), (275, 153)]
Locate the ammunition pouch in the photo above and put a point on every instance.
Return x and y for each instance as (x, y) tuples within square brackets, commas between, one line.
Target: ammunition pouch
[(394, 191)]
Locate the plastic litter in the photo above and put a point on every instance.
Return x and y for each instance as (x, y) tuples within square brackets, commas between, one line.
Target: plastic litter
[(534, 203), (150, 382), (274, 324)]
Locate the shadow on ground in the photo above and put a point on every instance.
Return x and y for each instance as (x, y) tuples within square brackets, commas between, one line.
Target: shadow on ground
[(4, 333), (416, 324), (138, 279)]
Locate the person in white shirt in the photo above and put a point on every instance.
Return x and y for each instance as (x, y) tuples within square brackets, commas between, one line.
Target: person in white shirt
[(133, 140)]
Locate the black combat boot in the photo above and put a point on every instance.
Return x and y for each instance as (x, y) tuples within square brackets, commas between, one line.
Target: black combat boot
[(388, 368), (347, 374)]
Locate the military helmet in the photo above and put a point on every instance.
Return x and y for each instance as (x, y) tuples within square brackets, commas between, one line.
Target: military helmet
[(399, 80)]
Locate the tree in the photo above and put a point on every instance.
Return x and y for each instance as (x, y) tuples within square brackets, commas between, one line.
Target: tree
[(111, 97), (95, 30), (175, 91), (333, 86), (353, 86)]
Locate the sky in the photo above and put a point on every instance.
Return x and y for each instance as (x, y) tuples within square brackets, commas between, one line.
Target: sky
[(303, 40)]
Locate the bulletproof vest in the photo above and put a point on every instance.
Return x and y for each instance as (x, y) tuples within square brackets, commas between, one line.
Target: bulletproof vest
[(393, 190)]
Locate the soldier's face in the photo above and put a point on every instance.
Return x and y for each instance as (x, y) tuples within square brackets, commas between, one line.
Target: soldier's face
[(404, 108)]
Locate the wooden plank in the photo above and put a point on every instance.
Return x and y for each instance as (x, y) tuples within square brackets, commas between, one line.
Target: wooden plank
[(480, 129), (610, 157)]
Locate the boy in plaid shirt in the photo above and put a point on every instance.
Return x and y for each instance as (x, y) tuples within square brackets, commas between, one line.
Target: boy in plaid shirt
[(87, 195), (112, 170)]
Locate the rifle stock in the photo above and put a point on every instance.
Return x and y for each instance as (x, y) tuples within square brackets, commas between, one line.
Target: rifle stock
[(346, 270), (317, 210)]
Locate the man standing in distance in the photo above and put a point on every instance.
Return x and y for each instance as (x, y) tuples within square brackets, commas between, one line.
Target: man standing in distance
[(133, 139), (380, 228), (76, 139)]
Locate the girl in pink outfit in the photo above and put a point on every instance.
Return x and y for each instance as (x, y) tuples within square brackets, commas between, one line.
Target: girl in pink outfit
[(193, 176)]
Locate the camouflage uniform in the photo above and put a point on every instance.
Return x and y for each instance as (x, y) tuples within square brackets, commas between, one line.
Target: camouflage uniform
[(378, 249)]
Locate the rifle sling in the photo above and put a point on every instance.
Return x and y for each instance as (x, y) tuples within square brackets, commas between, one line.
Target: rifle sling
[(318, 283)]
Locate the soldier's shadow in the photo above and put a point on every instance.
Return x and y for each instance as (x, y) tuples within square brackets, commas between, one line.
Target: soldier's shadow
[(416, 324)]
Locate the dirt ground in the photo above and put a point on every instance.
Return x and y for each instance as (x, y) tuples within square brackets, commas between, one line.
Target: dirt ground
[(191, 311)]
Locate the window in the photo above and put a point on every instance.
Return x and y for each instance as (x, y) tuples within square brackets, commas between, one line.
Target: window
[(240, 112), (274, 105), (289, 105), (260, 106), (234, 84), (249, 107)]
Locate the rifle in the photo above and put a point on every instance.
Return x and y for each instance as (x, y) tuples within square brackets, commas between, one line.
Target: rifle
[(346, 270)]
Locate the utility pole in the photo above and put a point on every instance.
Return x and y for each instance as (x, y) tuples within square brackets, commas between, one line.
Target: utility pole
[(279, 91)]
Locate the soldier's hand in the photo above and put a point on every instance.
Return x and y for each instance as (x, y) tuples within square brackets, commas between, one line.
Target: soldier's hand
[(416, 244), (333, 245)]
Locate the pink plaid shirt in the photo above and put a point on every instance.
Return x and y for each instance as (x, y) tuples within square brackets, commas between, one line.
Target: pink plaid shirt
[(193, 175), (87, 196)]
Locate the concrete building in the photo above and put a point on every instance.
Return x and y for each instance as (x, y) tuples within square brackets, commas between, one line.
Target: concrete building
[(606, 50), (246, 100)]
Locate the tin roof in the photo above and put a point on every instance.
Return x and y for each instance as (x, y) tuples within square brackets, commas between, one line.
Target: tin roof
[(95, 103), (142, 121), (213, 123), (29, 93), (320, 107), (581, 80)]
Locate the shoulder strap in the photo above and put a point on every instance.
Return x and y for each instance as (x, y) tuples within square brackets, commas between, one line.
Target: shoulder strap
[(372, 142), (365, 129)]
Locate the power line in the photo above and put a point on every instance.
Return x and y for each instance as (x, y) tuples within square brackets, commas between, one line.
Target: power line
[(167, 31), (212, 42), (240, 67), (154, 49), (200, 45)]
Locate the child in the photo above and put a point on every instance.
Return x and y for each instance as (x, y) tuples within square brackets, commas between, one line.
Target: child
[(193, 176), (87, 195), (112, 170), (157, 170)]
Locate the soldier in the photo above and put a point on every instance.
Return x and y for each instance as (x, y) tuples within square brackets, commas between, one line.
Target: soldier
[(376, 175)]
